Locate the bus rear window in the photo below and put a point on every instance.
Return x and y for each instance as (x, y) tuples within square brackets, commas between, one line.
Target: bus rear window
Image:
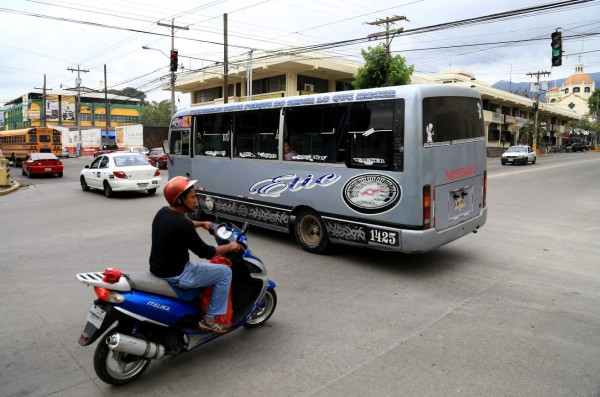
[(452, 120)]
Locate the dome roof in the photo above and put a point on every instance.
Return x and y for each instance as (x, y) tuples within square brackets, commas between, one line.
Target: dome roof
[(578, 77)]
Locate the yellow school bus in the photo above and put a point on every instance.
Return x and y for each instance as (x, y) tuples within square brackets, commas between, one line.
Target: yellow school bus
[(18, 144)]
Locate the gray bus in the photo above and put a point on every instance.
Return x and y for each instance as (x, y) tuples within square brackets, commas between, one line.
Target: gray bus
[(395, 168)]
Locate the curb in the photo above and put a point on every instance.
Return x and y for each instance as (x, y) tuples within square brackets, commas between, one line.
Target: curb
[(14, 185)]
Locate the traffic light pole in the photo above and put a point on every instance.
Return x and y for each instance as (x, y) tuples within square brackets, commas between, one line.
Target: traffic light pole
[(172, 26)]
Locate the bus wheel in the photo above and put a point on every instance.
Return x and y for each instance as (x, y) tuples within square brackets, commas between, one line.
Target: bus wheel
[(310, 232)]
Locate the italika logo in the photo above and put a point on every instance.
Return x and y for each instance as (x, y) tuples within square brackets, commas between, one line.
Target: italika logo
[(371, 193)]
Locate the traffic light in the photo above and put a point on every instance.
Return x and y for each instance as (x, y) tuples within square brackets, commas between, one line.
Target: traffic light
[(556, 48), (174, 60)]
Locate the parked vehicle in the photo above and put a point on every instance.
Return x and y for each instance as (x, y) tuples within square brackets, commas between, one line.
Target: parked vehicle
[(157, 157), (64, 153), (156, 320), (42, 164), (137, 149), (520, 154), (106, 148), (120, 172), (577, 147)]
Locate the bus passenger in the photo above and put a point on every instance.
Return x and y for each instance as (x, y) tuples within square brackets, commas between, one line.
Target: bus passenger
[(173, 234), (288, 151)]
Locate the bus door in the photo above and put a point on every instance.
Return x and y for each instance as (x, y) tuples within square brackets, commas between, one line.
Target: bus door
[(180, 162)]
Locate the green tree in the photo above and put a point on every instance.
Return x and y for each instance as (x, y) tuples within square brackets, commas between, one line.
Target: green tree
[(156, 114), (380, 70), (593, 103), (130, 92)]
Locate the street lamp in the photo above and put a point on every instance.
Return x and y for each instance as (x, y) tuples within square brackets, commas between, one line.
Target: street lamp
[(145, 47)]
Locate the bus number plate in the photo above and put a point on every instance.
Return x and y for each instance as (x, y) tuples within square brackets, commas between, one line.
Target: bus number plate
[(385, 237)]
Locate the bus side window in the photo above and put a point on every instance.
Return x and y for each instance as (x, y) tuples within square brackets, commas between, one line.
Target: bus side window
[(371, 135), (256, 134), (318, 133), (213, 135)]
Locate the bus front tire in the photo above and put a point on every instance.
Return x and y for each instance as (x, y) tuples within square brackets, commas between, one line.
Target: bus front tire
[(310, 232)]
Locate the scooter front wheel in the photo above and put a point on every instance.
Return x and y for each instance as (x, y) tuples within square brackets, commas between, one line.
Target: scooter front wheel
[(263, 311), (117, 368)]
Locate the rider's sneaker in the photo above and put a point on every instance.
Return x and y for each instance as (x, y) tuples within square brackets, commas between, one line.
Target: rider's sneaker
[(212, 326)]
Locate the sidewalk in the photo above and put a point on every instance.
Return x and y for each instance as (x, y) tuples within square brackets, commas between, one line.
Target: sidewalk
[(14, 185)]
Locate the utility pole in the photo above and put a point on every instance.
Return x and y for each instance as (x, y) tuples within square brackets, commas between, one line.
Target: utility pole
[(78, 100), (225, 62), (106, 106), (249, 77), (172, 26), (537, 105), (388, 23), (43, 110)]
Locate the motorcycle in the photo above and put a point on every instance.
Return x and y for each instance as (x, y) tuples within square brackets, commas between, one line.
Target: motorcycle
[(155, 320)]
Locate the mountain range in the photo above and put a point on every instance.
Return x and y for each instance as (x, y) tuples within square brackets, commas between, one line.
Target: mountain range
[(505, 85)]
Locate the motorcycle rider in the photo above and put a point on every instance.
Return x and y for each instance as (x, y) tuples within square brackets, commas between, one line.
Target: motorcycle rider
[(173, 234)]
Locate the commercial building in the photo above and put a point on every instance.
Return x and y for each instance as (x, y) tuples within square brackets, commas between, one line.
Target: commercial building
[(59, 108), (505, 114)]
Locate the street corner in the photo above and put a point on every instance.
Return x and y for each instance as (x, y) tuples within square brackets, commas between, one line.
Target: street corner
[(14, 185)]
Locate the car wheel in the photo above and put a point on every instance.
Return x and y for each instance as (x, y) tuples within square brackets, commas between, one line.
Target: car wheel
[(84, 185), (151, 191), (23, 171), (534, 159), (60, 174), (108, 192)]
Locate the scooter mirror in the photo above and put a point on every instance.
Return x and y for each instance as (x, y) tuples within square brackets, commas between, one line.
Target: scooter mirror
[(245, 227)]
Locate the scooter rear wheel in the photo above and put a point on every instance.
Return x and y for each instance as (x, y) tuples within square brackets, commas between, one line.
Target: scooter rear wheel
[(260, 315), (117, 368)]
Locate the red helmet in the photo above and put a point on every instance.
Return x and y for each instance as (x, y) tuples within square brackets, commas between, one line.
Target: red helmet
[(175, 187)]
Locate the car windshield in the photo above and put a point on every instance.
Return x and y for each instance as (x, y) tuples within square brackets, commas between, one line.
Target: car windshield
[(126, 161), (517, 149)]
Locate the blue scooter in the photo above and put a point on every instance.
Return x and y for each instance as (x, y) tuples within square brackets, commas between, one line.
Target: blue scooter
[(156, 320)]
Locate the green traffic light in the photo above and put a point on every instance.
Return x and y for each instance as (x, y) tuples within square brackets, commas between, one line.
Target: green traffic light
[(555, 52)]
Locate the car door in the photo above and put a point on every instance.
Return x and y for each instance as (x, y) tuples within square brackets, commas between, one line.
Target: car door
[(89, 173), (530, 153)]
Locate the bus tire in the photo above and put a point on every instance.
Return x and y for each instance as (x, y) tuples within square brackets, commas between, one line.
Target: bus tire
[(310, 232)]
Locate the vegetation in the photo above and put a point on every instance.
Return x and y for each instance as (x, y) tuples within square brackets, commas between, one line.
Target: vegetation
[(380, 70), (130, 92), (156, 114)]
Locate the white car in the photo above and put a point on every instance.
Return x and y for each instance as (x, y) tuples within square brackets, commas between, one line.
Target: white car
[(520, 154), (137, 149), (120, 172)]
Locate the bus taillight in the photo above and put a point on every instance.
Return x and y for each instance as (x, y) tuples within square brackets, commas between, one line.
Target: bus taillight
[(484, 188), (426, 206)]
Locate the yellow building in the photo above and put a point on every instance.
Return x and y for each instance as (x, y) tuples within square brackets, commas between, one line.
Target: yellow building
[(574, 93)]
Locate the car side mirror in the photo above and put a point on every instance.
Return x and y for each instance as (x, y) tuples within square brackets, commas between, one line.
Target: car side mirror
[(87, 166)]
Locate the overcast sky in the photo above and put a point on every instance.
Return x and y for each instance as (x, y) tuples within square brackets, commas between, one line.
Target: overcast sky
[(50, 36)]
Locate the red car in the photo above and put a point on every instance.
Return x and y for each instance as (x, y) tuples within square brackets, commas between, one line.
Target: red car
[(42, 164), (157, 157)]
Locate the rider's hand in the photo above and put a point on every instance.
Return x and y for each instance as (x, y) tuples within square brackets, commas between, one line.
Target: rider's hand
[(234, 246)]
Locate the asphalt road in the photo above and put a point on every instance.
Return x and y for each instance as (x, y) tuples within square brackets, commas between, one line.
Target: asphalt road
[(513, 310)]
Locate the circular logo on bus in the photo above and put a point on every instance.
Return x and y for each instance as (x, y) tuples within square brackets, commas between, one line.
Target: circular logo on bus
[(371, 193)]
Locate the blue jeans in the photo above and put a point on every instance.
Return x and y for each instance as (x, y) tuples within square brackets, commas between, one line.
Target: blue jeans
[(197, 275)]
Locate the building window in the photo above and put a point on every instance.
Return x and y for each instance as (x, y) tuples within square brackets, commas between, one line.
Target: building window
[(312, 84), (269, 84), (209, 94), (576, 89), (586, 89), (343, 86), (566, 90)]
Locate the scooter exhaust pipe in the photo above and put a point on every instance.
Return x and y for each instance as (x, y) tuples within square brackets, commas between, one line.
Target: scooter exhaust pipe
[(135, 346)]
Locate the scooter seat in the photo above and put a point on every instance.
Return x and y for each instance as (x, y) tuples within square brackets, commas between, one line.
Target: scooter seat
[(146, 281)]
